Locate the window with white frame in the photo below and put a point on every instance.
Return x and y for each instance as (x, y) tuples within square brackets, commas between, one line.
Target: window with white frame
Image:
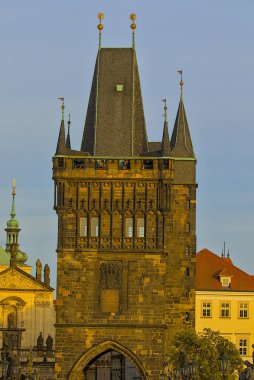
[(225, 281), (243, 310), (225, 309), (206, 309), (243, 346)]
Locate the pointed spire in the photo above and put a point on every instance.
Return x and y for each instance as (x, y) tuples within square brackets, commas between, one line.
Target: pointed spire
[(133, 27), (165, 150), (104, 117), (61, 147), (12, 229), (181, 144), (13, 212), (68, 138), (228, 254), (100, 27)]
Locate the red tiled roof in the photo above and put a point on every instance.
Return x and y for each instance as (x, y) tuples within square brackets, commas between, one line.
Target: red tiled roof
[(210, 267), (225, 273)]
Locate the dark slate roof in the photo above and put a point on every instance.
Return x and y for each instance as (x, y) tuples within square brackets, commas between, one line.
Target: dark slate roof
[(181, 145), (61, 148), (154, 146), (165, 148), (115, 123)]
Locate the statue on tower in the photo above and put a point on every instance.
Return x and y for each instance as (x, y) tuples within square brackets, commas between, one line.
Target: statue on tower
[(47, 275), (40, 342), (38, 270)]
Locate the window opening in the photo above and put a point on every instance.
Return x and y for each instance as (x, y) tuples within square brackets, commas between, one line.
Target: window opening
[(95, 226), (129, 227), (83, 227), (140, 227), (78, 163)]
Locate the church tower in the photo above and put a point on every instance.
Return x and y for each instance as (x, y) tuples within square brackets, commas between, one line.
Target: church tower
[(126, 231)]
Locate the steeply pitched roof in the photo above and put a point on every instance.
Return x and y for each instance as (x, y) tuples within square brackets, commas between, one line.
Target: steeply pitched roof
[(165, 149), (210, 267), (115, 123), (181, 144), (61, 147)]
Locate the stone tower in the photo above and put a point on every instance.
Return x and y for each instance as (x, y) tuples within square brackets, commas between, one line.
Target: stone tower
[(126, 233)]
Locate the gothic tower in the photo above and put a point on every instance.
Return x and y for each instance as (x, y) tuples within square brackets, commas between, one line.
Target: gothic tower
[(126, 232)]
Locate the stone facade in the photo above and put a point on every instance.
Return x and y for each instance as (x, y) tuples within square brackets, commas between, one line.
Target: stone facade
[(126, 258)]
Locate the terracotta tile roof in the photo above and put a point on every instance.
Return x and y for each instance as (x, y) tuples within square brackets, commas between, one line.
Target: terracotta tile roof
[(210, 267), (225, 273)]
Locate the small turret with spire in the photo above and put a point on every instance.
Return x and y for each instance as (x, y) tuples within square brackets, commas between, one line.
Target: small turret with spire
[(12, 224), (61, 145), (12, 230), (181, 144), (165, 148), (68, 138)]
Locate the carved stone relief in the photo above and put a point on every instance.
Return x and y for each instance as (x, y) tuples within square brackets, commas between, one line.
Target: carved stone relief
[(110, 275)]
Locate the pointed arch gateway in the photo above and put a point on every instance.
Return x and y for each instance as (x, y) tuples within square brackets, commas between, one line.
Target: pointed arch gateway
[(77, 371)]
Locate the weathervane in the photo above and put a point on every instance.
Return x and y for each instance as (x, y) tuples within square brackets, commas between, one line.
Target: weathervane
[(133, 27), (100, 26), (62, 107), (165, 109), (181, 82)]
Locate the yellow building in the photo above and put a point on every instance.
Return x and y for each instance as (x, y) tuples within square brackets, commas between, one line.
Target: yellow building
[(225, 300), (27, 313)]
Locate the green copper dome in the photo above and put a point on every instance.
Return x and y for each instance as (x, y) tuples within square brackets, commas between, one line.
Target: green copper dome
[(12, 223), (4, 257)]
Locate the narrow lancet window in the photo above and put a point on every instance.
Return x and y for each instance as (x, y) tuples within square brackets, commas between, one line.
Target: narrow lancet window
[(83, 227), (95, 226), (129, 227)]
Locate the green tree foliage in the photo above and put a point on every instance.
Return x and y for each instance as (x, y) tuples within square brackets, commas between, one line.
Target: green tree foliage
[(206, 350)]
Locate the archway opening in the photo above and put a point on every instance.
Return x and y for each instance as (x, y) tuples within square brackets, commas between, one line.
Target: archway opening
[(111, 365)]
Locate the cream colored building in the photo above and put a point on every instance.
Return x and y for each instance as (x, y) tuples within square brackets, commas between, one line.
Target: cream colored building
[(26, 305), (225, 300)]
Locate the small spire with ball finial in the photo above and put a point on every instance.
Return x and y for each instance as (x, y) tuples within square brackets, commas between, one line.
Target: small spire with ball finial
[(62, 107), (181, 82), (133, 27), (100, 26)]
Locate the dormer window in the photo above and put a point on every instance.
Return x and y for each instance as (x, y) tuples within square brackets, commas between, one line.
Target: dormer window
[(225, 281), (225, 278)]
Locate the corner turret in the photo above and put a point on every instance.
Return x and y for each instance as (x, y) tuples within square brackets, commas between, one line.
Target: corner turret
[(165, 146), (181, 145), (61, 145)]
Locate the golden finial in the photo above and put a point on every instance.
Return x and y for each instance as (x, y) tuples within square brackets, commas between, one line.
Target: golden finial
[(13, 187), (100, 26), (181, 82), (62, 107), (133, 27)]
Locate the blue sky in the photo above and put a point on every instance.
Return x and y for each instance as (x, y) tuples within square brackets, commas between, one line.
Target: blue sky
[(48, 50)]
